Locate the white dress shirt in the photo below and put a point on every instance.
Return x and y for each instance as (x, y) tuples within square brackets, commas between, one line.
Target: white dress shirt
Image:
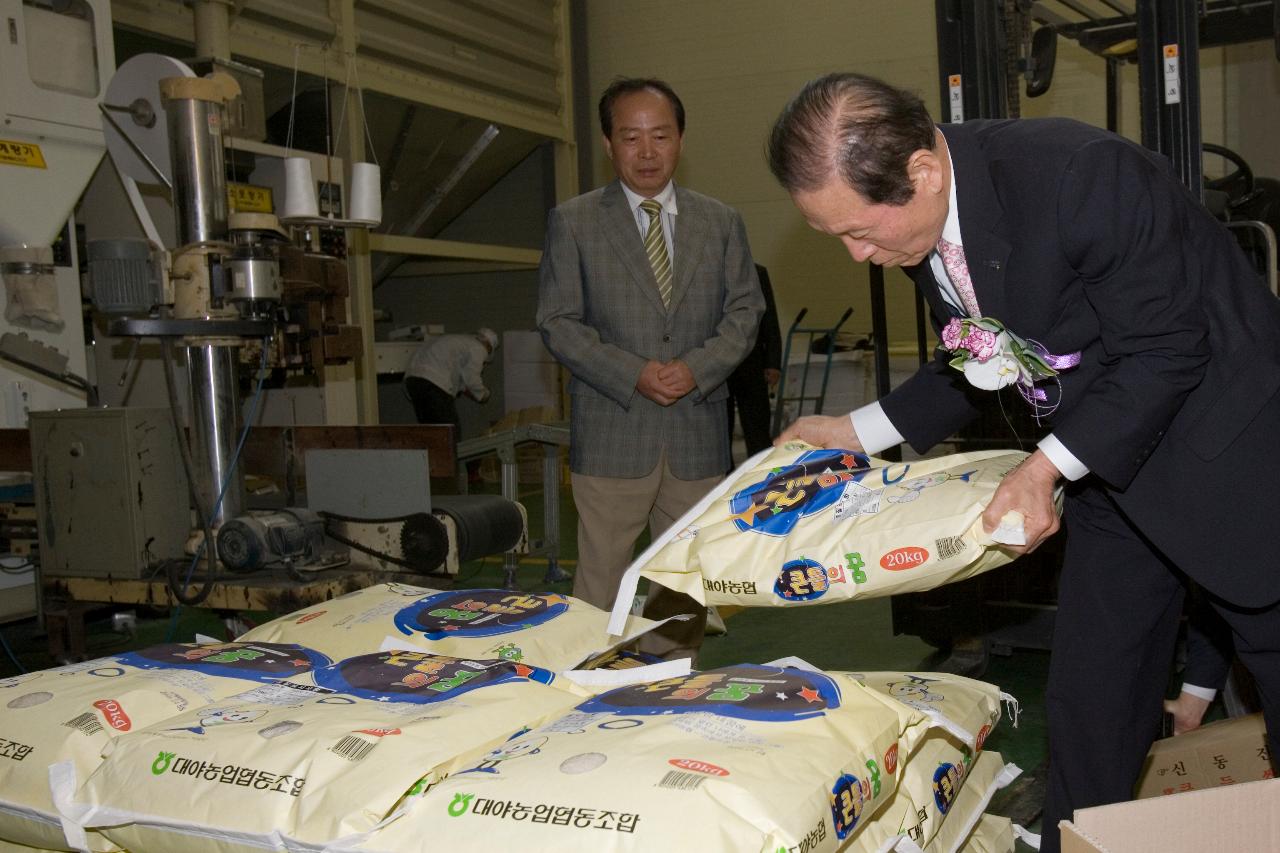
[(872, 425)]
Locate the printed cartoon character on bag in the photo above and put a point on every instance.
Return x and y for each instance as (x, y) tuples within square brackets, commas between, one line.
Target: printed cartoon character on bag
[(506, 752)]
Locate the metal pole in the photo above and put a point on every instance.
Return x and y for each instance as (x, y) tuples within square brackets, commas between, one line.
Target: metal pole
[(215, 392)]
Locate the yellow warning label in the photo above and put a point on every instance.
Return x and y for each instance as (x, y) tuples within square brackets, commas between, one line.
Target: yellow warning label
[(953, 80), (246, 198), (21, 154), (1170, 51)]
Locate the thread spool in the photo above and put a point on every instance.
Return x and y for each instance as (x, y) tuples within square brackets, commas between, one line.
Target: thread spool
[(299, 190), (366, 194)]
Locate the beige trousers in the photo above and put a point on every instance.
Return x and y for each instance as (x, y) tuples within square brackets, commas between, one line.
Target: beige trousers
[(611, 513)]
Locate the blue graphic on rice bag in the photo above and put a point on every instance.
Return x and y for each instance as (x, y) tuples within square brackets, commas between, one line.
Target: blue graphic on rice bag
[(252, 661), (478, 613), (421, 678), (847, 799), (808, 486), (745, 692), (801, 580), (946, 785)]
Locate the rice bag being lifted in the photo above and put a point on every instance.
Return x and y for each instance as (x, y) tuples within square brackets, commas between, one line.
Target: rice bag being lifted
[(310, 759), (71, 713), (553, 631), (798, 525), (741, 758)]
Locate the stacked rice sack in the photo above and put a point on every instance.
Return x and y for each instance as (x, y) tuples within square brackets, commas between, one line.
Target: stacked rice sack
[(802, 525), (948, 780), (993, 834), (556, 632), (748, 757), (310, 759), (72, 713)]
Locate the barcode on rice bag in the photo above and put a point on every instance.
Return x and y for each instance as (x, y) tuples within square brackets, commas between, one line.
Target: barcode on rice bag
[(949, 546), (87, 723), (352, 748), (682, 781)]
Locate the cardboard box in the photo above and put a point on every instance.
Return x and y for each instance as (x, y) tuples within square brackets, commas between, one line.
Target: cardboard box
[(1220, 753), (1239, 817)]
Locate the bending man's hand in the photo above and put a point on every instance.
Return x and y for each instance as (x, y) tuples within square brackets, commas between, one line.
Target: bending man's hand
[(1028, 489), (1187, 711), (823, 431), (651, 385)]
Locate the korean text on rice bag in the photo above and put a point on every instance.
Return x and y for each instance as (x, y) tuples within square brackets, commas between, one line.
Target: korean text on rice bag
[(798, 525), (71, 713), (741, 758), (310, 759), (556, 632)]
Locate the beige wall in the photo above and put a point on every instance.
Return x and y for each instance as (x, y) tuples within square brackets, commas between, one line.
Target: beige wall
[(736, 62)]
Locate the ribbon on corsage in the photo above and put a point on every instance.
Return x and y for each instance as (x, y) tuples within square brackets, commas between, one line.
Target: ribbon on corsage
[(992, 357)]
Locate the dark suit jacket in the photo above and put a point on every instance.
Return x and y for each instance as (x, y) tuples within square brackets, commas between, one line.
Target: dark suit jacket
[(767, 351), (601, 316), (1084, 241)]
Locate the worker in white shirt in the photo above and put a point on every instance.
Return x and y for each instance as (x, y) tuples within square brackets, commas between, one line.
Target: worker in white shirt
[(444, 367)]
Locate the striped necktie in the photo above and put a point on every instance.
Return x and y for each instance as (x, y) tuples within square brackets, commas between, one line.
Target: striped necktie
[(655, 246)]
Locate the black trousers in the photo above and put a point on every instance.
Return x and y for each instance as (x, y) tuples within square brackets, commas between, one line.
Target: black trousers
[(431, 403), (1119, 603), (750, 393)]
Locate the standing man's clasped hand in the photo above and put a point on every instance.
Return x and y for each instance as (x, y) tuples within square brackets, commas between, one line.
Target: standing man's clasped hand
[(664, 384)]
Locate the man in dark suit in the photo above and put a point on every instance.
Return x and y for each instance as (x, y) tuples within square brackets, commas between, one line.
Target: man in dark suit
[(1164, 434), (750, 382), (649, 297)]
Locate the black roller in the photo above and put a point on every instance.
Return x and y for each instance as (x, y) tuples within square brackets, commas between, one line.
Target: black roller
[(487, 524), (424, 542)]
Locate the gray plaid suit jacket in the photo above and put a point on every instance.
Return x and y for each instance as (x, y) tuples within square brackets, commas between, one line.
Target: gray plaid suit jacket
[(601, 316)]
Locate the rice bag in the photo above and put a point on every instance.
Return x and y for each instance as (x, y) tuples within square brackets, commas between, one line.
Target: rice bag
[(310, 759), (798, 525), (740, 758), (553, 631), (988, 774), (71, 713), (992, 834)]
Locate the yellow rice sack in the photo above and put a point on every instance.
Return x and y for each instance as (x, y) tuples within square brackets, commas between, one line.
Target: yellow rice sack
[(986, 776), (964, 712), (992, 834), (798, 525), (71, 713), (742, 758), (967, 709), (310, 759), (553, 631)]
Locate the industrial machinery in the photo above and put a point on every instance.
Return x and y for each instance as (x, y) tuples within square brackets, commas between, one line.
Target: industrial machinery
[(55, 59), (241, 267)]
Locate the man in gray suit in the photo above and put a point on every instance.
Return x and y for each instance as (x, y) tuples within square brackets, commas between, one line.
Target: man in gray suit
[(649, 296)]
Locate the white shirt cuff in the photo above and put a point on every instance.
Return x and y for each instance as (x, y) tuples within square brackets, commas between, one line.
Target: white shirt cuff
[(1205, 693), (1064, 460), (874, 429)]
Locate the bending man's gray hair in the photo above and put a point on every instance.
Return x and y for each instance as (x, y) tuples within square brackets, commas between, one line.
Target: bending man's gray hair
[(854, 127)]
